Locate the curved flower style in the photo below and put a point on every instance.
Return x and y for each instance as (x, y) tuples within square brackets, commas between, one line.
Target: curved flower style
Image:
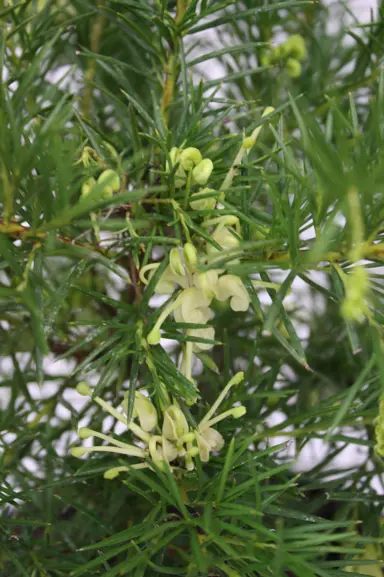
[(174, 443)]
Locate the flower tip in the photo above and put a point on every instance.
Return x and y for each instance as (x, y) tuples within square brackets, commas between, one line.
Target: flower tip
[(268, 110), (154, 337), (239, 412), (237, 379), (83, 389), (78, 451), (112, 473), (85, 433), (248, 142)]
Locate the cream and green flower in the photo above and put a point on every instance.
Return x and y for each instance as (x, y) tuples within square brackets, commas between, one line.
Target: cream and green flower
[(163, 437)]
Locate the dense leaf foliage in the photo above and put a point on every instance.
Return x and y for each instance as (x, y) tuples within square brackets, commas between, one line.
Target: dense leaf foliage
[(297, 489)]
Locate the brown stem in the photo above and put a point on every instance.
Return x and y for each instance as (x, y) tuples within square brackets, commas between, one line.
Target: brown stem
[(95, 39), (170, 68)]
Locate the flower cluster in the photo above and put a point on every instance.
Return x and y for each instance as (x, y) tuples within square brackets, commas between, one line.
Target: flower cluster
[(190, 165), (167, 439), (109, 181), (198, 289), (290, 53)]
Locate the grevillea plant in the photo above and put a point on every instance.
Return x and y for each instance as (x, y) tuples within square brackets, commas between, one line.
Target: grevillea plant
[(191, 289)]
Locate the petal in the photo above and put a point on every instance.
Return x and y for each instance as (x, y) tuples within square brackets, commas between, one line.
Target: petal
[(213, 438), (146, 412), (231, 286), (204, 448), (169, 427), (169, 450), (208, 333)]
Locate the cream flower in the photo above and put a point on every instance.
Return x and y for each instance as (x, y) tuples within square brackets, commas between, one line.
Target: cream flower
[(206, 282), (177, 441), (202, 172), (193, 307), (231, 287), (189, 158)]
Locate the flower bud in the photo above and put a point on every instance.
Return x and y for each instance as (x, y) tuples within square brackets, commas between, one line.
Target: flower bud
[(295, 47), (112, 473), (111, 180), (236, 379), (267, 111), (293, 67), (78, 451), (87, 186), (154, 337), (248, 142), (83, 389), (238, 412), (202, 171), (190, 255), (85, 433), (175, 424), (175, 262), (190, 157)]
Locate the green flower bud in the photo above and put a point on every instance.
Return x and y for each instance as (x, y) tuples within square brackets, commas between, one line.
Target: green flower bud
[(83, 389), (85, 433), (190, 255), (190, 157), (236, 379), (154, 337), (87, 186), (112, 473), (248, 142), (267, 111), (238, 412), (175, 262), (78, 451), (111, 180), (202, 171), (293, 67), (295, 47)]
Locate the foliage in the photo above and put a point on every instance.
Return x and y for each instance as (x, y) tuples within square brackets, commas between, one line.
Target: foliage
[(115, 86)]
